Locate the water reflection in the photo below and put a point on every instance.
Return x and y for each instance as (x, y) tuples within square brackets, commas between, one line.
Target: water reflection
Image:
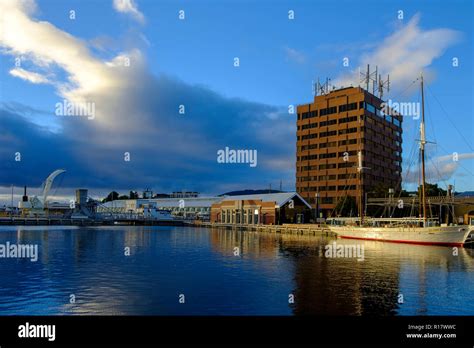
[(224, 272), (392, 279)]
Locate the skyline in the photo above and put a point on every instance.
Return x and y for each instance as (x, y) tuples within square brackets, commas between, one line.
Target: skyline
[(243, 107)]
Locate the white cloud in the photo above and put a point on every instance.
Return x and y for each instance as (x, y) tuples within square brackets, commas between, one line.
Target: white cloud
[(28, 75), (295, 55), (440, 168), (47, 47), (130, 7), (404, 54)]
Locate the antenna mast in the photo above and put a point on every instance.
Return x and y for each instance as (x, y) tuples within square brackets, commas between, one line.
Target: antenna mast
[(383, 85), (369, 77), (374, 78), (323, 88)]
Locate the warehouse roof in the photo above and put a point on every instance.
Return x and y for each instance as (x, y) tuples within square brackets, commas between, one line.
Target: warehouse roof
[(281, 198)]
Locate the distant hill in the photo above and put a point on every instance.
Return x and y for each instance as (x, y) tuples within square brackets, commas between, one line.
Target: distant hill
[(465, 194), (249, 192)]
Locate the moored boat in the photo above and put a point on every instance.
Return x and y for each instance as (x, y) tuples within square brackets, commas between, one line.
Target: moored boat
[(405, 230)]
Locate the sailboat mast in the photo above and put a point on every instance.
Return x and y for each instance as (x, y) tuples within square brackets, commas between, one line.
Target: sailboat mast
[(422, 150), (359, 169)]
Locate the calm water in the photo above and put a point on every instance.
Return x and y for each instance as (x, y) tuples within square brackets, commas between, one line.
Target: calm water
[(200, 263)]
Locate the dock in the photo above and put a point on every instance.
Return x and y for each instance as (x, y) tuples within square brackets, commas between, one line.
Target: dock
[(296, 229)]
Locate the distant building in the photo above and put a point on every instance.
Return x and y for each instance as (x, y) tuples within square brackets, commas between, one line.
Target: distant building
[(184, 194), (267, 209), (330, 132), (186, 208)]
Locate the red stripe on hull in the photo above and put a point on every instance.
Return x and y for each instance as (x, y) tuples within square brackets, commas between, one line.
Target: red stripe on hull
[(406, 241)]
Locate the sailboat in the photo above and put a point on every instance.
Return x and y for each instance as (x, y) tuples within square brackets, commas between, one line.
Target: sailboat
[(403, 230)]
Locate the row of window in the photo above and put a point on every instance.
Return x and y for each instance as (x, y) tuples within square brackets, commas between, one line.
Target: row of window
[(308, 126), (328, 188), (349, 107), (373, 132), (328, 123), (329, 110), (245, 216), (329, 133), (372, 109), (348, 119), (325, 166), (326, 155), (373, 144), (306, 115), (327, 177), (308, 147), (308, 136), (330, 144), (350, 176), (322, 200)]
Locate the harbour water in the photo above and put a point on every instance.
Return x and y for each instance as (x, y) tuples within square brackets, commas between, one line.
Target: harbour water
[(87, 270)]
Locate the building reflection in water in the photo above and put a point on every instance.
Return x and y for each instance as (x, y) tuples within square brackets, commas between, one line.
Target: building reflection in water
[(390, 273)]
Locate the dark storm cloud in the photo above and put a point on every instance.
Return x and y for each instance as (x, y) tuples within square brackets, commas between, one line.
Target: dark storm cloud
[(168, 150)]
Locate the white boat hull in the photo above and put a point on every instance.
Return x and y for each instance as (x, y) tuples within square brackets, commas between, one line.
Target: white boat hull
[(448, 235)]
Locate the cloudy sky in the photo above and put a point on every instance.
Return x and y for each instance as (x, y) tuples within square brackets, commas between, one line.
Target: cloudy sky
[(139, 63)]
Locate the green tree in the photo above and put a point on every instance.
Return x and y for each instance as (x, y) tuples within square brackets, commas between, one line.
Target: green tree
[(404, 193), (432, 190), (112, 196)]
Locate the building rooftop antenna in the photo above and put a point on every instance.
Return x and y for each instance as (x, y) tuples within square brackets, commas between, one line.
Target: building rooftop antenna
[(383, 85), (367, 78), (324, 88)]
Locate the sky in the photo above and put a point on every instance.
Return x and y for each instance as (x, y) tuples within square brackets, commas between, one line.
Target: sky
[(163, 93)]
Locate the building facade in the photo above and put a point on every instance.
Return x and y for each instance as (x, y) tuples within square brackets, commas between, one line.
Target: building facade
[(266, 209), (330, 132)]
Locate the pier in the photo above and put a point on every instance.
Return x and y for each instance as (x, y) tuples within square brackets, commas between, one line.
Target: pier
[(298, 229)]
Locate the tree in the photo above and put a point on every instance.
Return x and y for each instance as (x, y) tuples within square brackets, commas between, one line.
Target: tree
[(404, 193), (432, 190), (346, 206), (112, 196), (133, 195)]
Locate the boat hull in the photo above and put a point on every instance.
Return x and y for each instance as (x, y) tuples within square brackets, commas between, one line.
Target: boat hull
[(447, 236)]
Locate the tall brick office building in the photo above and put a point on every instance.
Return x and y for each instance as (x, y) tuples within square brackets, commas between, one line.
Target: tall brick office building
[(330, 132)]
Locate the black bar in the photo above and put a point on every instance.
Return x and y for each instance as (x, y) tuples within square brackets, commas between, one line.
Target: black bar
[(135, 330)]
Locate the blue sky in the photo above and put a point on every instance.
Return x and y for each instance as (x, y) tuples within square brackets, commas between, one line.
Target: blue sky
[(190, 62)]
